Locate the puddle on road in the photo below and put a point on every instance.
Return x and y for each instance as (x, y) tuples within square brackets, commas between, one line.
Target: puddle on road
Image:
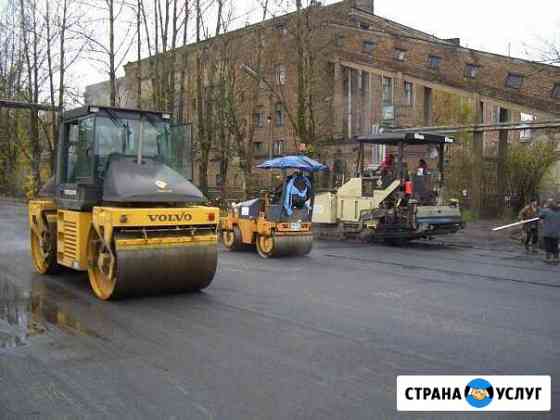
[(27, 313)]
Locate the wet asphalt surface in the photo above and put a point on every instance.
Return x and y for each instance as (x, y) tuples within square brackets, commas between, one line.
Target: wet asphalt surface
[(320, 337)]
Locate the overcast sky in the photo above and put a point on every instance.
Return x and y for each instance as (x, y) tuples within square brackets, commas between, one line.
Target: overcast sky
[(488, 25)]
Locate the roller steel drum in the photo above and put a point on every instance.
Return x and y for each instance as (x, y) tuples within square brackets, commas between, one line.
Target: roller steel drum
[(155, 270), (284, 246)]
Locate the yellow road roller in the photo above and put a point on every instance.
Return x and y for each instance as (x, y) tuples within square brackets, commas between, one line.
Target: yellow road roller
[(278, 223), (120, 208)]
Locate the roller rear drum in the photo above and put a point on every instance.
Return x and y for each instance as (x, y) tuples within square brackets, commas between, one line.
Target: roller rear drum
[(284, 246)]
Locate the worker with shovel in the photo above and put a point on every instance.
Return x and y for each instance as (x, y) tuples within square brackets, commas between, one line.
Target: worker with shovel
[(551, 218), (531, 229)]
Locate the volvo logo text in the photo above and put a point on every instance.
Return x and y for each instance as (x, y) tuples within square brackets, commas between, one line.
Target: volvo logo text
[(184, 217)]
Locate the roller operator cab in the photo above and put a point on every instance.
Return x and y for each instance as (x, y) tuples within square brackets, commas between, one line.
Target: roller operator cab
[(393, 201), (121, 209), (278, 223)]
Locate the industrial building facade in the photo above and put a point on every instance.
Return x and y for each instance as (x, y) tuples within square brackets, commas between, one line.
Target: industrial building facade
[(367, 72)]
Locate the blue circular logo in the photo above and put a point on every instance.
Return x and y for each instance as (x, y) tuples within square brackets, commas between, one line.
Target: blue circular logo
[(479, 393)]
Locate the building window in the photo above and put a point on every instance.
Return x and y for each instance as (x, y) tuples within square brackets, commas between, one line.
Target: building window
[(400, 55), (259, 148), (282, 28), (556, 90), (408, 93), (339, 40), (368, 47), (471, 71), (278, 147), (514, 81), (387, 91), (388, 108), (280, 74), (434, 62), (279, 114), (259, 119), (378, 153), (364, 25), (525, 135)]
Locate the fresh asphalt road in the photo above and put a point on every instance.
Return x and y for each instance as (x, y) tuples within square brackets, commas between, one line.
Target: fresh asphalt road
[(319, 337)]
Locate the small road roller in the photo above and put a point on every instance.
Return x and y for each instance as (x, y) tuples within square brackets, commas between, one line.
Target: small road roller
[(278, 223), (120, 209)]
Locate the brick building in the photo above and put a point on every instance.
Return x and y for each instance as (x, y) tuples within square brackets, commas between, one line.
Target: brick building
[(98, 93), (366, 72)]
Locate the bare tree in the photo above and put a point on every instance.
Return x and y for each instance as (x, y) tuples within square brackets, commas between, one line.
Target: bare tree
[(111, 52), (139, 7), (242, 91), (309, 40), (184, 65), (546, 49), (110, 46), (29, 33), (202, 143), (551, 52), (223, 141), (11, 86), (40, 54), (58, 24), (161, 29)]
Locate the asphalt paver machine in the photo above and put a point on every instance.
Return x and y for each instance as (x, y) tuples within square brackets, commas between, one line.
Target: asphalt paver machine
[(393, 203), (120, 209), (278, 223)]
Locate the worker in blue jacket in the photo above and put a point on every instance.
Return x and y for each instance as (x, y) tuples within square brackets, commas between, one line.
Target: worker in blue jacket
[(551, 230), (298, 193)]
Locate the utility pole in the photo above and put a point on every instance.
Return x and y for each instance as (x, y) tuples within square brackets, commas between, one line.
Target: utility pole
[(478, 160), (269, 120)]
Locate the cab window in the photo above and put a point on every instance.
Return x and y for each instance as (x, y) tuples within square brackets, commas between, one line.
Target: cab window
[(79, 146)]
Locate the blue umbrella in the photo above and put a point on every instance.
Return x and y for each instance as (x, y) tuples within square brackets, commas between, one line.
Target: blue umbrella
[(294, 162)]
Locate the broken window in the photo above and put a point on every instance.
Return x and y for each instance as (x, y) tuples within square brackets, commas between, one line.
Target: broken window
[(526, 134), (280, 74), (408, 93), (400, 55), (471, 71), (279, 114), (556, 90), (434, 62), (368, 47), (514, 81)]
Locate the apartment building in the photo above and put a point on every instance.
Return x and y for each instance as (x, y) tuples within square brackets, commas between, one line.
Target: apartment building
[(367, 72)]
